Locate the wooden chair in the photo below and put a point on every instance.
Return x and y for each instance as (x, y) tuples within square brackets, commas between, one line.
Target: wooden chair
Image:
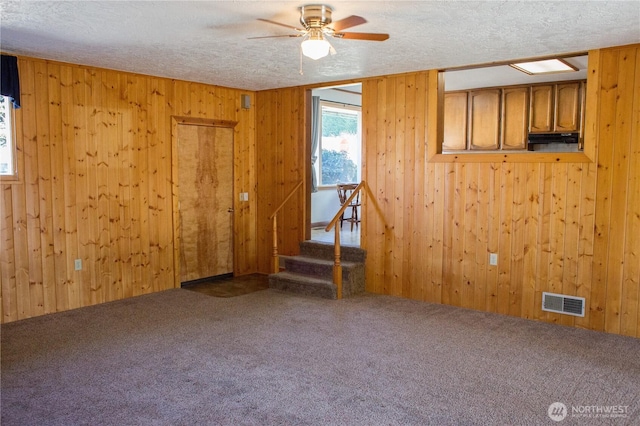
[(344, 192)]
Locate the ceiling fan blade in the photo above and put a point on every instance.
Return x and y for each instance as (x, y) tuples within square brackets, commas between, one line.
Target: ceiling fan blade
[(282, 25), (277, 36), (348, 22), (363, 36)]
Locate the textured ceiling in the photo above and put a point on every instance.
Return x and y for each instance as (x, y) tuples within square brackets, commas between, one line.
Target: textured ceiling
[(206, 41)]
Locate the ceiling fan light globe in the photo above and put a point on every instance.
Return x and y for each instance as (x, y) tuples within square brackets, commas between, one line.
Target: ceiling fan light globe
[(315, 49)]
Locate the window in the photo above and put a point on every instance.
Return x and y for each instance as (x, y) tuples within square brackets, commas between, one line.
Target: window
[(7, 142), (340, 145)]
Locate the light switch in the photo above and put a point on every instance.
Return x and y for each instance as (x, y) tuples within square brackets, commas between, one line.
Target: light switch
[(493, 259)]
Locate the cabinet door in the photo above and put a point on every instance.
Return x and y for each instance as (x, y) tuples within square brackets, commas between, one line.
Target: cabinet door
[(567, 117), (515, 117), (484, 119), (455, 121), (541, 118)]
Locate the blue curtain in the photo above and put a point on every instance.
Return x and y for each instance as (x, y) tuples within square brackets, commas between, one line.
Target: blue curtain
[(315, 138), (10, 84)]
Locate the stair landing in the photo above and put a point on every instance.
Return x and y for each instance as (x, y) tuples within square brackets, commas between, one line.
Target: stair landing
[(347, 237)]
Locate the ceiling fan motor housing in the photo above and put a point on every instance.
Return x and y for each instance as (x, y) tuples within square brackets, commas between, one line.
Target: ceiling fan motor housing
[(315, 15)]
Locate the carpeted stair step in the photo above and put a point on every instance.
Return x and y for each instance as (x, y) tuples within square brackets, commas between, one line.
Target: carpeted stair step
[(301, 267), (303, 284), (326, 251), (315, 267), (312, 271)]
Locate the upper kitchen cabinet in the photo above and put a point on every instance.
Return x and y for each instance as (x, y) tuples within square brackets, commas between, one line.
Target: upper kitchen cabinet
[(455, 121), (541, 119), (502, 118), (515, 117), (567, 107), (556, 107), (484, 119)]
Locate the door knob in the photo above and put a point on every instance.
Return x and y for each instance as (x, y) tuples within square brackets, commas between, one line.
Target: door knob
[(230, 210)]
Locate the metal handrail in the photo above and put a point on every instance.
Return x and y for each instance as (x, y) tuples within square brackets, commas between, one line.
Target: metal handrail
[(275, 263)]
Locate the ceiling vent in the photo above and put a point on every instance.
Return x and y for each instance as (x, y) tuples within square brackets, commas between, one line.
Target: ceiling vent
[(563, 304)]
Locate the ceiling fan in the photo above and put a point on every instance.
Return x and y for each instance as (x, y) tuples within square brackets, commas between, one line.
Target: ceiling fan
[(317, 23)]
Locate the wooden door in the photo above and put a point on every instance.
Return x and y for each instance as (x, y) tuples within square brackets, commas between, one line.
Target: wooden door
[(541, 119), (484, 119), (455, 121), (205, 194), (515, 117), (567, 117)]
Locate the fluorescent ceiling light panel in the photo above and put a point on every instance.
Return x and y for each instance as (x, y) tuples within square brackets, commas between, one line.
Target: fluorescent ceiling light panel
[(547, 66)]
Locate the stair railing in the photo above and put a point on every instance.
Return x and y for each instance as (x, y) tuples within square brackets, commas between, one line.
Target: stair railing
[(275, 262), (337, 267)]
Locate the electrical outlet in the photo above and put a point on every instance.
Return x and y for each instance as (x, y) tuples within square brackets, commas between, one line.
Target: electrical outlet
[(78, 264), (493, 259)]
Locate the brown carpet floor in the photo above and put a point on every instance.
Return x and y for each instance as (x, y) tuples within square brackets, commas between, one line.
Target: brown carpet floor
[(269, 358)]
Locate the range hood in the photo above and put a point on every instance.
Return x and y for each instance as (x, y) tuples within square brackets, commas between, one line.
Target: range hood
[(540, 138)]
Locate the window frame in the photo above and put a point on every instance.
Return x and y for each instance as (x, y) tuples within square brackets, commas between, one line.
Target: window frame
[(16, 176), (343, 106), (435, 113)]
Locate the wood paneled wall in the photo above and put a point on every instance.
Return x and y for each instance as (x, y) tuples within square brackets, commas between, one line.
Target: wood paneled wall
[(281, 163), (97, 161), (570, 228)]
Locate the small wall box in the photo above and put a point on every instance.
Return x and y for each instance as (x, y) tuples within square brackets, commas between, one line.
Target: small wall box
[(245, 100)]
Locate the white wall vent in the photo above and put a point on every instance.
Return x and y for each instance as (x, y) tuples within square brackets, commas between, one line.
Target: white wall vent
[(563, 304)]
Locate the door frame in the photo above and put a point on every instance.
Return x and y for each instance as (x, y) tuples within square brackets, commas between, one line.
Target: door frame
[(307, 154), (192, 121)]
